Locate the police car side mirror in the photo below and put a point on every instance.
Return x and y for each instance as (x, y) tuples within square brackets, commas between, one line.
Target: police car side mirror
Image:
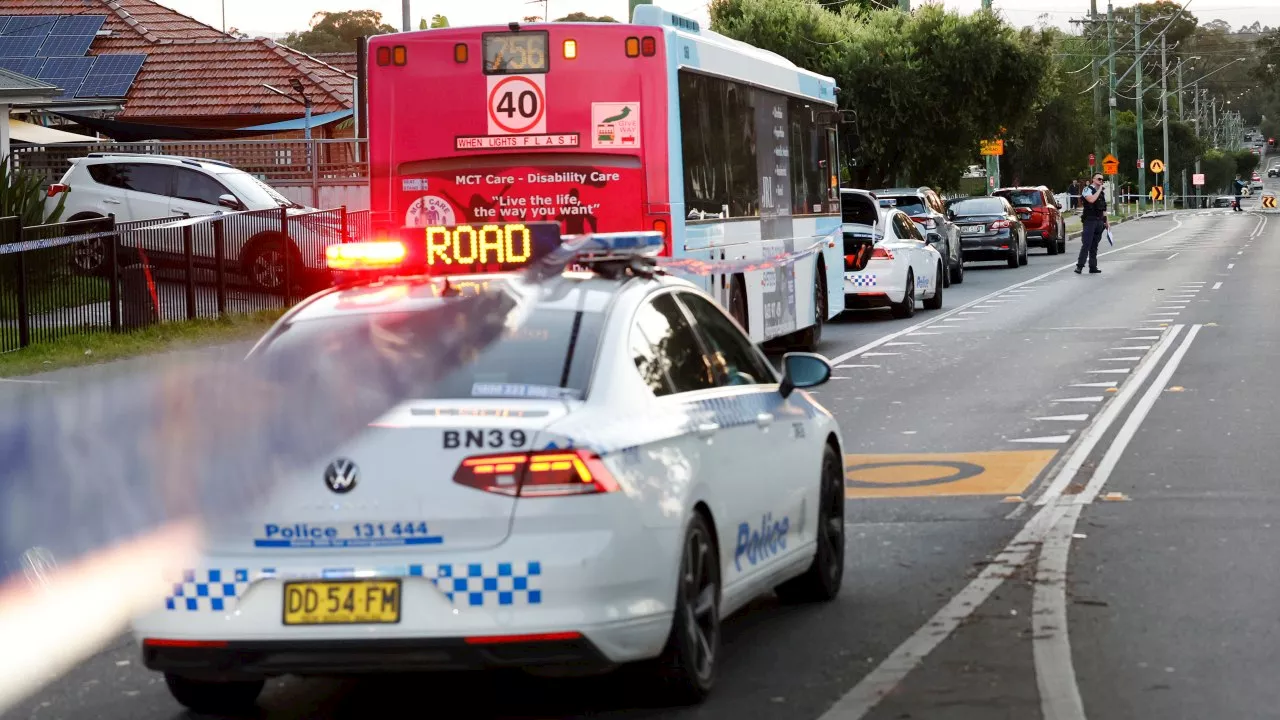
[(803, 370), (230, 201)]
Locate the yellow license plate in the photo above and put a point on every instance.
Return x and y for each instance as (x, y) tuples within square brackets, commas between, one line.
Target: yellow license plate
[(342, 602)]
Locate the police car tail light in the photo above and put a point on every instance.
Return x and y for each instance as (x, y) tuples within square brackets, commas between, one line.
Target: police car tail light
[(883, 253), (538, 474), (378, 255)]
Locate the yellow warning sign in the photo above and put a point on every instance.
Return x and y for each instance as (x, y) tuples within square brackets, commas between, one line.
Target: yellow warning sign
[(1157, 193), (1110, 165), (1269, 201), (1002, 473), (1157, 166)]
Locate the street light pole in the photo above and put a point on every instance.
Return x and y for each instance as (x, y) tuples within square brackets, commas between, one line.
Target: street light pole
[(1137, 69), (1196, 89), (404, 14), (1111, 70), (1182, 118)]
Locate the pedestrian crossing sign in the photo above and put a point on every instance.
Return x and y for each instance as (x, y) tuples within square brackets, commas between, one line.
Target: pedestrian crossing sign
[(1157, 166)]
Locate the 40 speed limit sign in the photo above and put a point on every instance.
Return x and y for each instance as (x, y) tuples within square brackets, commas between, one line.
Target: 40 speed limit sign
[(517, 104)]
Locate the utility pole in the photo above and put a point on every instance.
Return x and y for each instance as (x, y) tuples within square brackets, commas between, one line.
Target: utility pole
[(1196, 88), (1097, 80), (1164, 109), (1137, 68), (1182, 118), (404, 11), (1111, 71)]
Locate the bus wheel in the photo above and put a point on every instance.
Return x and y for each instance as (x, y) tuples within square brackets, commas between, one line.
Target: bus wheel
[(738, 302), (812, 335)]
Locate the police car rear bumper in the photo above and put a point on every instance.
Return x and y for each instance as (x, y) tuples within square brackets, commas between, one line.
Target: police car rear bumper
[(262, 659)]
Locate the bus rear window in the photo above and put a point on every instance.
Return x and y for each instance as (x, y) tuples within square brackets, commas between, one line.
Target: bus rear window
[(551, 355)]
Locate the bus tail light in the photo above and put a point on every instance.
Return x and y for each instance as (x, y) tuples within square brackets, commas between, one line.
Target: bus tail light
[(633, 47), (570, 49), (460, 53), (537, 474), (399, 55), (648, 47), (379, 255), (384, 56)]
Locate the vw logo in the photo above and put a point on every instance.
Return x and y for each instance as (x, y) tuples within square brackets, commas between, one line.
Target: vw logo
[(341, 475)]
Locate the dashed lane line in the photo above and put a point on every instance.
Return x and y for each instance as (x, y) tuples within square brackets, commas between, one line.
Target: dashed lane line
[(1217, 285)]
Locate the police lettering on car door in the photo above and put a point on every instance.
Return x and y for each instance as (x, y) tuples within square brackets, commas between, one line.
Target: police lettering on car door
[(755, 545)]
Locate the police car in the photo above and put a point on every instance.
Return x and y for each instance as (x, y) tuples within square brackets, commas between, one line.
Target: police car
[(900, 267), (601, 485)]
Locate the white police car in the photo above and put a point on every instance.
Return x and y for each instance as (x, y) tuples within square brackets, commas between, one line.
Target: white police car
[(600, 486), (900, 267)]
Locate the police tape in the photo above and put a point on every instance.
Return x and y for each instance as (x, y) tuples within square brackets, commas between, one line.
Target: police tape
[(46, 243)]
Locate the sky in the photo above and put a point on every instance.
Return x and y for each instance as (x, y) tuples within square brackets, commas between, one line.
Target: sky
[(280, 16)]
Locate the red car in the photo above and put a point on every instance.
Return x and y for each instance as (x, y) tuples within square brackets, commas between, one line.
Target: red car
[(1040, 214)]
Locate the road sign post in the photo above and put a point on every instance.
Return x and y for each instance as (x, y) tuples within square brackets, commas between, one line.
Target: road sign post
[(991, 152)]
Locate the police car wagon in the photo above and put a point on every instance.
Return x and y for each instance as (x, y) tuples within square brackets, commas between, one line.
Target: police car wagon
[(601, 485)]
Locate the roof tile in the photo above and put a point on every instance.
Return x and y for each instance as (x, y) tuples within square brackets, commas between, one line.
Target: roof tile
[(196, 71)]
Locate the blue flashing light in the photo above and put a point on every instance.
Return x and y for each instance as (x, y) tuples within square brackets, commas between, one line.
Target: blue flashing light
[(621, 244)]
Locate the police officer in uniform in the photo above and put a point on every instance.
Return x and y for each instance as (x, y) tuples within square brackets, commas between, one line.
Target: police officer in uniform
[(1093, 211)]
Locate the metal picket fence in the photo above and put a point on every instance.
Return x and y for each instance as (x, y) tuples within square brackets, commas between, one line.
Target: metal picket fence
[(102, 276)]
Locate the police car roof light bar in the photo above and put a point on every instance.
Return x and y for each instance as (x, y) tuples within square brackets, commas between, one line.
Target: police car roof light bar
[(377, 255), (619, 245)]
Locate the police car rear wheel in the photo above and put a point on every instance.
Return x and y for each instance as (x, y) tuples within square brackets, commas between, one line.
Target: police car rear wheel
[(935, 302), (687, 667), (907, 307), (211, 698), (821, 582)]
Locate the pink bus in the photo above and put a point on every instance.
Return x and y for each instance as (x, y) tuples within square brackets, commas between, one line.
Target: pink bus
[(728, 150)]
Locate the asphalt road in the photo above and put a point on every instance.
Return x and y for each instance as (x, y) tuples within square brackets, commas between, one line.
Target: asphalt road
[(993, 580)]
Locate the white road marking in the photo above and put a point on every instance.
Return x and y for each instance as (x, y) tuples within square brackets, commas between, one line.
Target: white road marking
[(1195, 282), (838, 377), (974, 312), (841, 367), (1139, 337), (1105, 384), (1112, 371), (1172, 307), (1066, 418), (1138, 347), (1240, 253), (29, 382), (1131, 358), (1103, 421), (1051, 640), (1173, 256), (886, 676), (927, 323), (1047, 440), (901, 343), (1094, 398), (879, 354), (1230, 265), (1217, 285)]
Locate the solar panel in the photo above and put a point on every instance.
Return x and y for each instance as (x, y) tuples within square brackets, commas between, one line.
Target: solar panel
[(118, 64), (20, 46), (30, 25), (111, 76), (61, 67), (4, 20), (78, 25), (29, 66), (65, 45)]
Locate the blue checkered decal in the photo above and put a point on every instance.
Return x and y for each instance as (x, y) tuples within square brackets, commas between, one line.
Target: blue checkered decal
[(486, 584), (465, 584), (868, 280), (207, 590)]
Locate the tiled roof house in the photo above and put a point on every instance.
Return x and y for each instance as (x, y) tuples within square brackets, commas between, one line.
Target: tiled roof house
[(196, 75)]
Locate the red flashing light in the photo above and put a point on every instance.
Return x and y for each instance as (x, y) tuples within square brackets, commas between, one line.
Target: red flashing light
[(537, 474), (536, 637), (379, 255), (158, 642)]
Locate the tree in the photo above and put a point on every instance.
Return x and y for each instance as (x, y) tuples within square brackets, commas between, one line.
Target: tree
[(583, 17), (439, 21), (337, 31), (925, 86)]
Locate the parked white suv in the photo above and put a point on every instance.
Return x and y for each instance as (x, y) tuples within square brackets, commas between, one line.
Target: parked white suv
[(144, 187)]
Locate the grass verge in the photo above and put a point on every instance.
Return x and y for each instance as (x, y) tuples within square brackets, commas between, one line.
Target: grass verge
[(100, 347)]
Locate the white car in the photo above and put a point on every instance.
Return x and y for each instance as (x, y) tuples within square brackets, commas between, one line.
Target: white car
[(891, 265), (599, 486), (134, 187)]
